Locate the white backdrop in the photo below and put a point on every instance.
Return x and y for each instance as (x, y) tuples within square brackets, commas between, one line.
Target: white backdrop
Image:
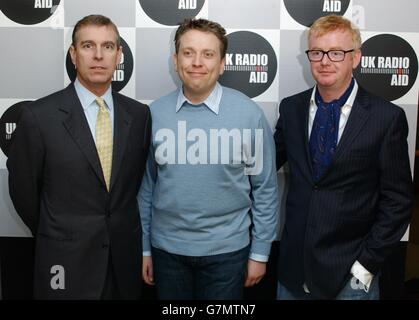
[(33, 57)]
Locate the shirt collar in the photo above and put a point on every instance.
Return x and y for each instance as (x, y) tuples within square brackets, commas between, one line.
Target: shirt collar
[(349, 102), (87, 97), (212, 101)]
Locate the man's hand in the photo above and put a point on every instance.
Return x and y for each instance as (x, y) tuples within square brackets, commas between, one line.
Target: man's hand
[(148, 270), (255, 272)]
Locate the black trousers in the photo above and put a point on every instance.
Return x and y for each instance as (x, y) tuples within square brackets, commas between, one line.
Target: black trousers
[(110, 289)]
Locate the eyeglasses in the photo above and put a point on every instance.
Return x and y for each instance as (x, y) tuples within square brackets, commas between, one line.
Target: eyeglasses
[(333, 55)]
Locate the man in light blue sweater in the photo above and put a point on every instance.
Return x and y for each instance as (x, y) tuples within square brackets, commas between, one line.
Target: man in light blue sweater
[(208, 200)]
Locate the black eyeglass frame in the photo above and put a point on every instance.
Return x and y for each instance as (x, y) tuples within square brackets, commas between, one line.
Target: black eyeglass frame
[(327, 53)]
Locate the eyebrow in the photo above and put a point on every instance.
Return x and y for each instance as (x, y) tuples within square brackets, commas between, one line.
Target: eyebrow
[(104, 43), (192, 49), (333, 48), (109, 43), (86, 41)]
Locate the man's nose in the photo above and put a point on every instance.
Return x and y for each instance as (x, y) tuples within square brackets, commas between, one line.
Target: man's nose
[(98, 53), (197, 60), (325, 59)]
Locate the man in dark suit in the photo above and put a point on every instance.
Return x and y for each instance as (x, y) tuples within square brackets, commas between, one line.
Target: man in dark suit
[(349, 200), (75, 168)]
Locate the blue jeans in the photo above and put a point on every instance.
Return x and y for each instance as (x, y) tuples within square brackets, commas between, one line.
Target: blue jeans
[(217, 277), (353, 290)]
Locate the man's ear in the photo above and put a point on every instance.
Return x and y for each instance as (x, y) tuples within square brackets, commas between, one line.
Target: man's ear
[(222, 65), (73, 55), (357, 58), (119, 55), (175, 61)]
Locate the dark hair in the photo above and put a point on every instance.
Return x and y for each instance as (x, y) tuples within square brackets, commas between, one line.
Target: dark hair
[(203, 25), (95, 20)]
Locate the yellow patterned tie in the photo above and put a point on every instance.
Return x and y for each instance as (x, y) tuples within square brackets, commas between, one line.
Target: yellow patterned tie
[(104, 140)]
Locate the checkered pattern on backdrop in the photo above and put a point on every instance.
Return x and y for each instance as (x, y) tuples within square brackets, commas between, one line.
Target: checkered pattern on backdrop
[(33, 57)]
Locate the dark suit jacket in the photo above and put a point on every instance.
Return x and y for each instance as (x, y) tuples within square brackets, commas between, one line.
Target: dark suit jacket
[(58, 189), (358, 210)]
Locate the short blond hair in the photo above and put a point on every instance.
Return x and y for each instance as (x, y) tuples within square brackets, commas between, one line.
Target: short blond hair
[(330, 23)]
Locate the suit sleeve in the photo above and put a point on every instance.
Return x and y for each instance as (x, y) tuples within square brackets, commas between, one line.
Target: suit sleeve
[(145, 197), (147, 128), (281, 156), (25, 165), (395, 198)]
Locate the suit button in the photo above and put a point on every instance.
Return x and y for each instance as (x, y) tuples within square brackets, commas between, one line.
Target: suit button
[(316, 187), (105, 246)]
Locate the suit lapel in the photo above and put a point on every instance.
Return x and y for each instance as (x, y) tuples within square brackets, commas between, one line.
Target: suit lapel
[(78, 128), (303, 113), (122, 124), (357, 118)]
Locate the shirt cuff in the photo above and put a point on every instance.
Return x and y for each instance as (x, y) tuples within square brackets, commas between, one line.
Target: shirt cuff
[(258, 257), (146, 253), (362, 274), (146, 243)]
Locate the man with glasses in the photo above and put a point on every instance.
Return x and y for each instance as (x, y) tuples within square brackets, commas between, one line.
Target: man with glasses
[(349, 201)]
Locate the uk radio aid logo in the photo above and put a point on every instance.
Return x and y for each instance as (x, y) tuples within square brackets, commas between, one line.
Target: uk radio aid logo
[(172, 12), (8, 124), (28, 12), (123, 71), (250, 65), (306, 12), (389, 66)]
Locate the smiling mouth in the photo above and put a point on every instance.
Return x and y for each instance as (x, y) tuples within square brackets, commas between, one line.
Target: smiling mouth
[(197, 73)]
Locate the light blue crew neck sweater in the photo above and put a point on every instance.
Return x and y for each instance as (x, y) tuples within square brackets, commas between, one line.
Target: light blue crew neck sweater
[(197, 198)]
